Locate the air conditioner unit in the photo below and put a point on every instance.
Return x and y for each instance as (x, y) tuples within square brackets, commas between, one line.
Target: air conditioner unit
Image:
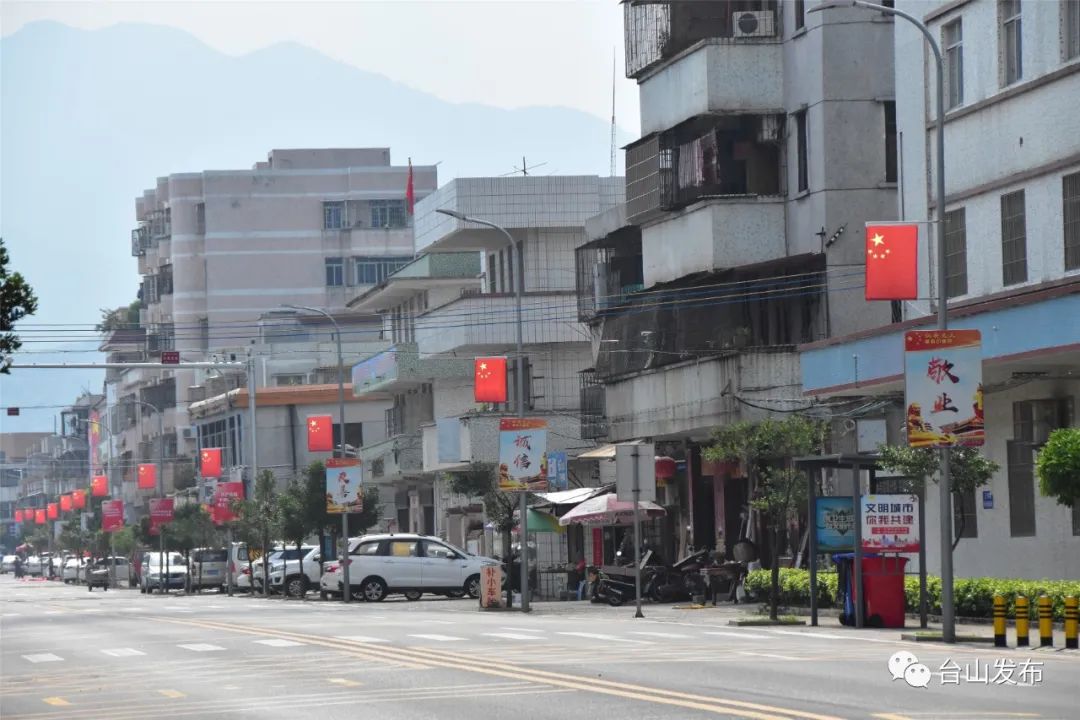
[(761, 23), (187, 433)]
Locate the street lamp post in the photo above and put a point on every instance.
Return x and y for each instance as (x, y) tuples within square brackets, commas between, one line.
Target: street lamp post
[(346, 593), (519, 372), (948, 619)]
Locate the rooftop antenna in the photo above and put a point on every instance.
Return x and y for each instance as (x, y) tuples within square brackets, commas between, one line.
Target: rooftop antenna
[(611, 172), (524, 169)]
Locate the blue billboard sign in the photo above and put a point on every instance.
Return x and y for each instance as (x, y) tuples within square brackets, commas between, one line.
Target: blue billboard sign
[(835, 525)]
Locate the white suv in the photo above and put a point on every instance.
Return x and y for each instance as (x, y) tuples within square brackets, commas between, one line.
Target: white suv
[(297, 576), (413, 564)]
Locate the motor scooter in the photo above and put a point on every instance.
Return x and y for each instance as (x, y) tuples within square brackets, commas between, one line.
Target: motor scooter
[(612, 590), (682, 581)]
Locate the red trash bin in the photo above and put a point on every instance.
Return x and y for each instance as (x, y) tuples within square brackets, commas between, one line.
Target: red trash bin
[(883, 583)]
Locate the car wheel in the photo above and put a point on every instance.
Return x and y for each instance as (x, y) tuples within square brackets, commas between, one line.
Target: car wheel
[(296, 587), (413, 595), (472, 586), (373, 589)]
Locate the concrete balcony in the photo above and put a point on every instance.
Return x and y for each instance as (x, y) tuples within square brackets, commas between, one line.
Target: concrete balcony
[(478, 322), (401, 368), (681, 399), (456, 442), (713, 235), (718, 75), (393, 459)]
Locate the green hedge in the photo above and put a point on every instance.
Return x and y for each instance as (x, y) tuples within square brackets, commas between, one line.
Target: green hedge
[(973, 598)]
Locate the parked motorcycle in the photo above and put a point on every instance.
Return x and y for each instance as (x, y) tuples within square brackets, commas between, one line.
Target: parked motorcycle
[(612, 590), (682, 581)]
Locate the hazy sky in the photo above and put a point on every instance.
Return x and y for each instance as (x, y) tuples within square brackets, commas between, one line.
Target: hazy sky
[(507, 53)]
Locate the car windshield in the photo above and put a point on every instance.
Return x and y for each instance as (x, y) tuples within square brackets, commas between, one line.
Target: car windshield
[(208, 556)]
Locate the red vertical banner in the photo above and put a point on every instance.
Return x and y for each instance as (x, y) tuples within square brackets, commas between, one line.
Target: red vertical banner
[(112, 515), (147, 476), (161, 512), (65, 503), (320, 433), (410, 190), (597, 547), (490, 379), (53, 510), (78, 499), (18, 516), (210, 462), (99, 486), (39, 517), (224, 497), (892, 268)]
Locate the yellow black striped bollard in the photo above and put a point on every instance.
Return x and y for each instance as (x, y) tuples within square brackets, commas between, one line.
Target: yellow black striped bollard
[(1023, 620), (1072, 620), (1046, 622), (999, 621)]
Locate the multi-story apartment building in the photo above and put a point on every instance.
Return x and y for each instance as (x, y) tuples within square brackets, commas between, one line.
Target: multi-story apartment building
[(15, 447), (1012, 244), (457, 302), (218, 250), (764, 149)]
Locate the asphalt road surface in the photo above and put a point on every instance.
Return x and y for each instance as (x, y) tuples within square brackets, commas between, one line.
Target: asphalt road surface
[(69, 654)]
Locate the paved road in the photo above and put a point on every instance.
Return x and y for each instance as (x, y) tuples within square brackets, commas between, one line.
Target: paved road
[(71, 654)]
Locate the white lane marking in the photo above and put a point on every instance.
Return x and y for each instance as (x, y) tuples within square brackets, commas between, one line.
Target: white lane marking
[(600, 636), (43, 657), (747, 635), (438, 638), (774, 656), (123, 652), (279, 642), (201, 647), (826, 636), (675, 636), (521, 629), (360, 638), (513, 636)]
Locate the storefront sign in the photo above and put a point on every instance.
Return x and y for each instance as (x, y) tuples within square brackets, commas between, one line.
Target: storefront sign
[(557, 470), (491, 587), (835, 524), (890, 523), (523, 455), (344, 485), (943, 388)]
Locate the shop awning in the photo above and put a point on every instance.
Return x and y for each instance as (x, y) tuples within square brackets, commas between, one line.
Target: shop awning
[(572, 497)]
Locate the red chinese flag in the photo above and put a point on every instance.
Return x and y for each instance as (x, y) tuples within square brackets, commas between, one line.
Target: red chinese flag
[(410, 192), (78, 499), (18, 516), (65, 503), (210, 462), (490, 377), (320, 433), (892, 254), (99, 486), (39, 517), (147, 476), (54, 511)]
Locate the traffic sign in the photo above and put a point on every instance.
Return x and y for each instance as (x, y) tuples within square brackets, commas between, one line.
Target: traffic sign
[(170, 357), (12, 411)]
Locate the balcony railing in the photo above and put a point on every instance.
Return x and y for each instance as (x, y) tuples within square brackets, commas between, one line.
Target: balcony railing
[(593, 421), (608, 276), (654, 32), (140, 240)]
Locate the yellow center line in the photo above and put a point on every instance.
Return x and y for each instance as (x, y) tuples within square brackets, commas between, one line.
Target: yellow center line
[(344, 681), (431, 657), (59, 701), (172, 693)]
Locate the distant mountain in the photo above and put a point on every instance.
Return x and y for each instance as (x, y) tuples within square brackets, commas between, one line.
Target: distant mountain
[(89, 119)]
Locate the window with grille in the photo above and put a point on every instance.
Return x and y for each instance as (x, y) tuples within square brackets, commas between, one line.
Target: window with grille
[(388, 213), (286, 380), (1011, 41), (1033, 421), (965, 520), (200, 218), (1070, 202), (956, 253), (800, 14), (890, 141), (802, 150), (333, 215), (373, 270), (1013, 238), (953, 40), (335, 272)]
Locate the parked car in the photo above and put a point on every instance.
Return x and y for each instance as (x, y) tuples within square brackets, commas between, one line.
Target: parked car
[(153, 577), (295, 572), (208, 568), (7, 564), (333, 577), (413, 565), (34, 565), (240, 560), (73, 571)]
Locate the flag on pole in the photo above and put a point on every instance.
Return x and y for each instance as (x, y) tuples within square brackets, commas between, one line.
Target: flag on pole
[(410, 191), (18, 516), (65, 503), (147, 476), (99, 486), (210, 462), (490, 379), (54, 511), (39, 517), (892, 270), (320, 433), (78, 499)]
